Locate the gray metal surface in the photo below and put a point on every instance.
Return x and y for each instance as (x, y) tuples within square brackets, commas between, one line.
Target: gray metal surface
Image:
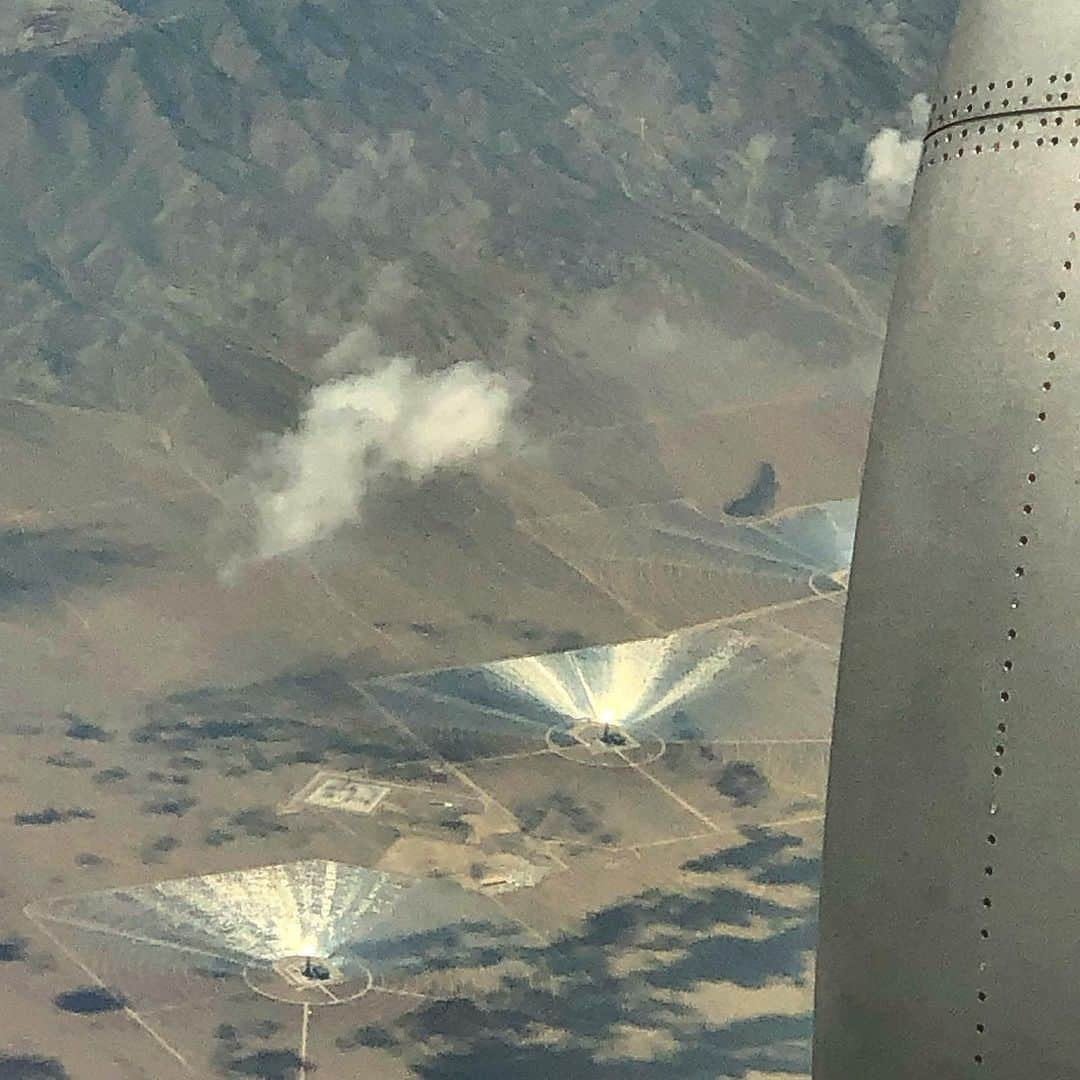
[(950, 909)]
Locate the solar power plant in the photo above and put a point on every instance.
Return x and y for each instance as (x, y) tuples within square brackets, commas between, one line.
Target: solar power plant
[(477, 825)]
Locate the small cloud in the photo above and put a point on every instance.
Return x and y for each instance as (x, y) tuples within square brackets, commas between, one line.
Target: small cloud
[(920, 112), (306, 484), (890, 166), (892, 160), (857, 210)]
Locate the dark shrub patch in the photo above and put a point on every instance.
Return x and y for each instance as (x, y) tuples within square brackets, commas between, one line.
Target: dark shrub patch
[(170, 807), (86, 1000), (112, 775), (83, 729), (742, 781), (258, 821), (50, 816), (24, 1067), (12, 949), (68, 760), (761, 497), (375, 1037), (270, 1064)]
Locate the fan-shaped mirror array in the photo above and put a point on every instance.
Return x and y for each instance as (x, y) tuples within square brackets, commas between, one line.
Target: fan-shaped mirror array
[(713, 681), (354, 918), (703, 683), (812, 541)]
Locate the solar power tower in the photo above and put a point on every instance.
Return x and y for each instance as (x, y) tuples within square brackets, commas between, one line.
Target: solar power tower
[(950, 908)]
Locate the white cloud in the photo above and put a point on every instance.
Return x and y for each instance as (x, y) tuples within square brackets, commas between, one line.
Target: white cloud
[(920, 112), (306, 484), (890, 166), (891, 160)]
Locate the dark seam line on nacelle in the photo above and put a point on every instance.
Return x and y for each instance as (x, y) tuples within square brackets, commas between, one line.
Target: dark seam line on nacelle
[(980, 118)]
